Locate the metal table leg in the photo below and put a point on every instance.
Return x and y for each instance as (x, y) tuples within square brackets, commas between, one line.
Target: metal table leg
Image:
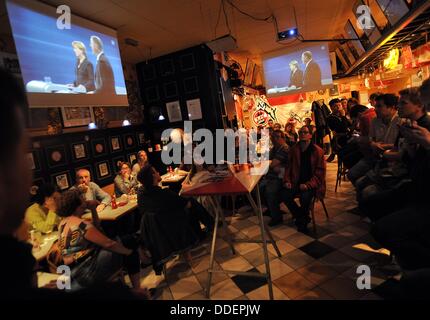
[(267, 231)]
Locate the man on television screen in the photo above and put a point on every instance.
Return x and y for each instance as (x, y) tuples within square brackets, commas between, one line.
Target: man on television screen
[(312, 74), (104, 78)]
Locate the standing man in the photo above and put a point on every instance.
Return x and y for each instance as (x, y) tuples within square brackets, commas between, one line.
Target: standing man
[(90, 190), (312, 75), (104, 78), (304, 178)]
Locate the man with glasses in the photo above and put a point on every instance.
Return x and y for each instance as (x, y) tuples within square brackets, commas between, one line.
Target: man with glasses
[(304, 178)]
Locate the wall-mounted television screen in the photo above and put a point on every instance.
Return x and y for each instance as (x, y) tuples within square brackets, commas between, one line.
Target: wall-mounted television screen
[(299, 69), (80, 66)]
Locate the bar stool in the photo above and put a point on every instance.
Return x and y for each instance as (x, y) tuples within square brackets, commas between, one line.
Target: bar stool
[(341, 172)]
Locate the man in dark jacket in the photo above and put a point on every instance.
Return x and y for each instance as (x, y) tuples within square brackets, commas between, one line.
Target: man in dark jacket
[(104, 78), (304, 178), (312, 74)]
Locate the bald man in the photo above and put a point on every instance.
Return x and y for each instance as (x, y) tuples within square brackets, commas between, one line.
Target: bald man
[(91, 190)]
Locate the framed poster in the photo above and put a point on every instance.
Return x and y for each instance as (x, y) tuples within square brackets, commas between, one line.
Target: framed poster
[(191, 85), (33, 160), (167, 67), (35, 185), (79, 151), (56, 156), (170, 89), (151, 94), (115, 144), (103, 170), (141, 138), (132, 158), (116, 162), (130, 141), (187, 62), (76, 116), (99, 147), (149, 72), (174, 111), (194, 109), (62, 180)]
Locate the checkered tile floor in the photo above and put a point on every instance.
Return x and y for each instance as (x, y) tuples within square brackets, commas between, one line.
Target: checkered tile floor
[(320, 265)]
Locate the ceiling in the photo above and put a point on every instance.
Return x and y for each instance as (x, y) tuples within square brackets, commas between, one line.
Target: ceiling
[(164, 26)]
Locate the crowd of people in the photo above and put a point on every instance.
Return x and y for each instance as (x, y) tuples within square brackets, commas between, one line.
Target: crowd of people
[(384, 148)]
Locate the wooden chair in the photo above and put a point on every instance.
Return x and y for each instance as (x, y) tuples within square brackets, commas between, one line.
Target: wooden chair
[(312, 209), (109, 189), (341, 173)]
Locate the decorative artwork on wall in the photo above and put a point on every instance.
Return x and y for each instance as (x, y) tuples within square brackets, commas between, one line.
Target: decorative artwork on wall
[(187, 62), (115, 144), (167, 67), (191, 85), (56, 156), (170, 89), (76, 116), (130, 141), (62, 180), (132, 158), (79, 151), (99, 147), (103, 170), (141, 138), (174, 111), (194, 109), (33, 160), (116, 162)]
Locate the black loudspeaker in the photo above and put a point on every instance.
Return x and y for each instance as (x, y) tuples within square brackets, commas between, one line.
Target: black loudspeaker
[(355, 94)]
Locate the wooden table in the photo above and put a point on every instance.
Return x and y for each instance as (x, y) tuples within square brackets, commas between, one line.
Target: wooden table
[(109, 214), (46, 244), (234, 183)]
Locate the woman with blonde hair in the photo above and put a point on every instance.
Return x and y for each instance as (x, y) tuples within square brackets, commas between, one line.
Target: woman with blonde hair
[(84, 71)]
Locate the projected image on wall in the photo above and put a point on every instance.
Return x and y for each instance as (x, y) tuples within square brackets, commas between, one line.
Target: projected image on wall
[(82, 60), (302, 69)]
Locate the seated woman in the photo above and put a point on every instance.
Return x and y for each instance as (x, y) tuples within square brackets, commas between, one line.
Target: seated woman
[(142, 161), (41, 215), (92, 257), (166, 229), (291, 135), (125, 182)]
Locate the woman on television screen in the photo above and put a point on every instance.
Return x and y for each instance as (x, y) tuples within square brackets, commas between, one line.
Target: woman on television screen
[(84, 71)]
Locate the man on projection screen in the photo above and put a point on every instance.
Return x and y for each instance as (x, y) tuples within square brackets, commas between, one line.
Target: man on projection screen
[(104, 78)]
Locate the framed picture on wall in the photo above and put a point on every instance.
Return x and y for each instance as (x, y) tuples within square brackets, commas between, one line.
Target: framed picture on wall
[(170, 89), (187, 62), (130, 141), (56, 156), (62, 180), (194, 109), (116, 162), (115, 144), (99, 147), (152, 94), (33, 160), (167, 67), (132, 158), (191, 85), (76, 116), (35, 185), (174, 111), (79, 151), (103, 170), (141, 138)]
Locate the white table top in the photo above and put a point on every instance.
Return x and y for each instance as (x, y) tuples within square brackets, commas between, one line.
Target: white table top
[(110, 214), (47, 242), (175, 177)]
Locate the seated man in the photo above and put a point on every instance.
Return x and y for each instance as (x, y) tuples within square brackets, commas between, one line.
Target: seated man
[(271, 184), (304, 178), (384, 131), (385, 190), (339, 126), (91, 190)]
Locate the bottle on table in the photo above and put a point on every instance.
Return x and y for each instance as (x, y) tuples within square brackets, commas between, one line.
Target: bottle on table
[(113, 203)]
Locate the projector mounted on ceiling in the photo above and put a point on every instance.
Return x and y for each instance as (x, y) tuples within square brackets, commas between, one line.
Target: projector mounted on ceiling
[(224, 43)]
